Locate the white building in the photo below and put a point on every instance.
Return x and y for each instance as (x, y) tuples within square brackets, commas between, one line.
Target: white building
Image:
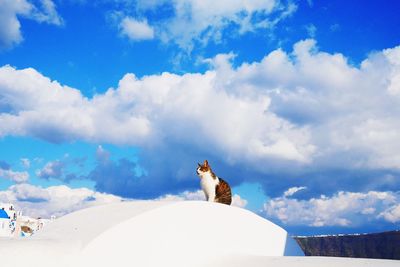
[(14, 224), (10, 210), (6, 227), (8, 217), (29, 225)]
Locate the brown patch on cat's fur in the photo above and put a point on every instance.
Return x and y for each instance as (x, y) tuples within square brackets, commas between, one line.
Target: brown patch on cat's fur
[(223, 192)]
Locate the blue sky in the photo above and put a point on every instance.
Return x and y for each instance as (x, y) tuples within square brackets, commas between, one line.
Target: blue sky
[(295, 103)]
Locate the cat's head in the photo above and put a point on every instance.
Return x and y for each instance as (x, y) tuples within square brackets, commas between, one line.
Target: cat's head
[(203, 169)]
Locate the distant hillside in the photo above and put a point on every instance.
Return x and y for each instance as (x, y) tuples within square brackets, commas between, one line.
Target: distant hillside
[(384, 245)]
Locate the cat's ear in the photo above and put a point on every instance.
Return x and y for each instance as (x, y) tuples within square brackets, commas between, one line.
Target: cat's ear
[(206, 163)]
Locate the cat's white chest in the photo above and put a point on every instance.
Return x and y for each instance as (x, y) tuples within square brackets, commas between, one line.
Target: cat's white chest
[(208, 184)]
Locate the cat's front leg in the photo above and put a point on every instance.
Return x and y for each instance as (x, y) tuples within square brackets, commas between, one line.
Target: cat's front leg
[(211, 198)]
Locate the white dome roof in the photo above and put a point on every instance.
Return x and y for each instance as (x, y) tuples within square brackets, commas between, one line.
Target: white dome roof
[(151, 233)]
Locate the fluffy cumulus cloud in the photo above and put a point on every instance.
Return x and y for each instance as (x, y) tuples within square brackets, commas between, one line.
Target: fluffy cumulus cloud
[(65, 169), (15, 176), (74, 119), (55, 200), (346, 209), (136, 30), (391, 214), (53, 169), (298, 115), (193, 21), (12, 10)]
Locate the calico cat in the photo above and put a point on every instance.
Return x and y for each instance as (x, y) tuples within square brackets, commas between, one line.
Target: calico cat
[(215, 188)]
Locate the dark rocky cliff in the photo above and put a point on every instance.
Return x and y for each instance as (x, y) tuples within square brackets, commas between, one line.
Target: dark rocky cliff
[(384, 245)]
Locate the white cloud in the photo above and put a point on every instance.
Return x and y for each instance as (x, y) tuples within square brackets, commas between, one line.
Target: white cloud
[(55, 200), (295, 108), (237, 201), (10, 33), (46, 12), (142, 112), (27, 192), (56, 113), (12, 10), (136, 30), (293, 190), (201, 21), (342, 209), (53, 169), (15, 176), (392, 214)]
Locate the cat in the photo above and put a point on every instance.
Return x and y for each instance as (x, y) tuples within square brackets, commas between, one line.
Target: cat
[(214, 187)]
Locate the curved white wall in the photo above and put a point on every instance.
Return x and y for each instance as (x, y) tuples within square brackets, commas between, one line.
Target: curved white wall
[(188, 234), (149, 233)]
